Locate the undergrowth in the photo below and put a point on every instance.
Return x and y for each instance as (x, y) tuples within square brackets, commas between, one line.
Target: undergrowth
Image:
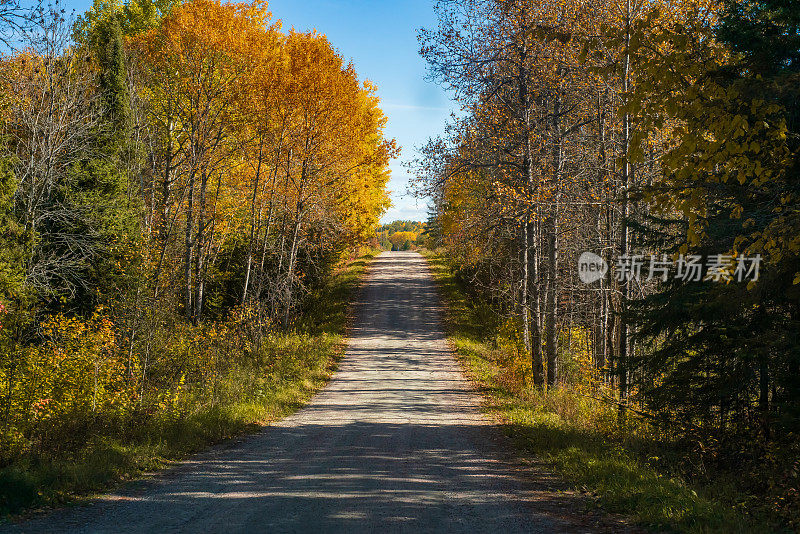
[(249, 391), (617, 461)]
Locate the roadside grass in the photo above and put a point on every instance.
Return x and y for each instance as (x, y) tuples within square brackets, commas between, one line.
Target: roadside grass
[(621, 465), (275, 381)]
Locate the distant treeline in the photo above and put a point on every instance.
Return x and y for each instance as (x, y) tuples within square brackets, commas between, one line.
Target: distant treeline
[(401, 235)]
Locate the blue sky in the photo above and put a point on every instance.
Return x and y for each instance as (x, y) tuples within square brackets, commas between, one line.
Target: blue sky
[(379, 36), (381, 39)]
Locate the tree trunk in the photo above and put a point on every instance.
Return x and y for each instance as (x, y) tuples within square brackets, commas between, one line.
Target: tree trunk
[(290, 268), (165, 224), (551, 235), (530, 280), (249, 261), (199, 276), (622, 356), (189, 249), (550, 304)]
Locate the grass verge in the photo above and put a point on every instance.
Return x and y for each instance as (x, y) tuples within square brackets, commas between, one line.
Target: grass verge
[(582, 439), (277, 380)]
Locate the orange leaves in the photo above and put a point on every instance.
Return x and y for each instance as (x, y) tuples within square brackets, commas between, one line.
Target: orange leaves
[(212, 27), (78, 367), (335, 135), (268, 122), (205, 46)]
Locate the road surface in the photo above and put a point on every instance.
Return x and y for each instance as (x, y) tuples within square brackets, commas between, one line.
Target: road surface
[(394, 443)]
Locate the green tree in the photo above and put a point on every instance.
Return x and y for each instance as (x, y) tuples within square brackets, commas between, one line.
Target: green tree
[(12, 273), (134, 16), (765, 34), (99, 183), (723, 359)]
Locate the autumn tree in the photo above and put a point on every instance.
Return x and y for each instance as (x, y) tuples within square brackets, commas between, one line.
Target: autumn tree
[(517, 68), (204, 47), (266, 136), (176, 178), (71, 198)]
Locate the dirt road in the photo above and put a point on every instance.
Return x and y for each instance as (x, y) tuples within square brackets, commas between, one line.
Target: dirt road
[(395, 443)]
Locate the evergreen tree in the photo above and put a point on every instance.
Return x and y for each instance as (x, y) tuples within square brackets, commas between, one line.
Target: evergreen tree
[(723, 359), (12, 262), (764, 33), (99, 185)]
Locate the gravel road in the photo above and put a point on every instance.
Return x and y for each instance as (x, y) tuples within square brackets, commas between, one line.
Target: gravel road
[(394, 443)]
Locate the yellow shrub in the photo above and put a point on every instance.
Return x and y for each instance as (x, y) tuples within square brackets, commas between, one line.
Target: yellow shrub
[(577, 365), (75, 371)]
